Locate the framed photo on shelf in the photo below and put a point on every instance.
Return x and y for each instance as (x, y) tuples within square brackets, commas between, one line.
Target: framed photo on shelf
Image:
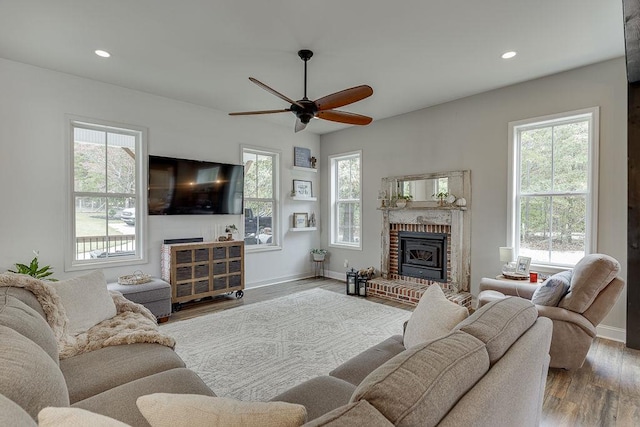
[(522, 265), (300, 220), (302, 188), (302, 157)]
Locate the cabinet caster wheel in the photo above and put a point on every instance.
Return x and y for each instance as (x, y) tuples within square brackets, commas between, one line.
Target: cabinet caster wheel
[(239, 294), (176, 307)]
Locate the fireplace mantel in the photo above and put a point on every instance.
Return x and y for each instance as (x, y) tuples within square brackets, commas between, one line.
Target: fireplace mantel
[(459, 243)]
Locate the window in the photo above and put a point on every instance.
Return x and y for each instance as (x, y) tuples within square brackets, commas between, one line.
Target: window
[(553, 187), (107, 197), (261, 171), (346, 200)]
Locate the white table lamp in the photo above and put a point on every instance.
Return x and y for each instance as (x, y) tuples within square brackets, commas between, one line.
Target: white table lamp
[(506, 256)]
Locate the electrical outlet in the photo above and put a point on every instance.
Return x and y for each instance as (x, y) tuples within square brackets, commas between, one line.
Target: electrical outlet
[(346, 263)]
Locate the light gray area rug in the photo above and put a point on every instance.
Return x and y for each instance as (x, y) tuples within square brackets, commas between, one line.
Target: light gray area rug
[(257, 351)]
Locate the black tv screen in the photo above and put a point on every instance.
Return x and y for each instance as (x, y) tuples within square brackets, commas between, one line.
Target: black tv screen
[(191, 187)]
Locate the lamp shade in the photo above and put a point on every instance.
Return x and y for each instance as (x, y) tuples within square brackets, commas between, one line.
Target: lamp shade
[(506, 254)]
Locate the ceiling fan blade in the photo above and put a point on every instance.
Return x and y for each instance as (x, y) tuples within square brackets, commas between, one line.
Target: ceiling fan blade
[(299, 125), (344, 97), (249, 113), (344, 117), (275, 92)]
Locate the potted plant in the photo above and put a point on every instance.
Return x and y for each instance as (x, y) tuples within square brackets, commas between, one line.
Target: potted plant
[(318, 254), (231, 230), (401, 200), (34, 270), (441, 196)]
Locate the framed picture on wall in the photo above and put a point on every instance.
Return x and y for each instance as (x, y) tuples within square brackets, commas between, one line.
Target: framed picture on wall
[(300, 220), (302, 157), (302, 188), (522, 265)]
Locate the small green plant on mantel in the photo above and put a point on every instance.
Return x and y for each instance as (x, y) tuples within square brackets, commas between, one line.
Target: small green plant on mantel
[(407, 197), (34, 269), (441, 195)]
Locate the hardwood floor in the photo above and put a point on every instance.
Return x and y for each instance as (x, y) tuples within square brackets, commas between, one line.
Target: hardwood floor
[(604, 392)]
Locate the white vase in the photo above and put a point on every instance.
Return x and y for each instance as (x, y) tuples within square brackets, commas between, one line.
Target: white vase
[(401, 203), (318, 257)]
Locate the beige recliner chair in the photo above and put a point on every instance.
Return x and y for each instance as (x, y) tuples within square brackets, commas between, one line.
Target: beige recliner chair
[(594, 289)]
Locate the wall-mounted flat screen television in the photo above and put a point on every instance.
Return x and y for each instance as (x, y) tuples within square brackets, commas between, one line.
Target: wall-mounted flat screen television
[(192, 187)]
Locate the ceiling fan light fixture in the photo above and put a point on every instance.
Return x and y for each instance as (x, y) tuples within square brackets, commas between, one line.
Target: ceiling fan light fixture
[(509, 55)]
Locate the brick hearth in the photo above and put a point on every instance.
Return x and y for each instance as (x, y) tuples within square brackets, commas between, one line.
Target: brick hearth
[(410, 292)]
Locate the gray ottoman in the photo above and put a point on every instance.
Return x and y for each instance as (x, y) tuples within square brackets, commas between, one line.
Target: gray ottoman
[(155, 295)]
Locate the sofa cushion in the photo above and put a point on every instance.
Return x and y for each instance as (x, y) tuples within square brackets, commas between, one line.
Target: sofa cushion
[(500, 323), (590, 275), (359, 413), (434, 317), (20, 317), (358, 367), (112, 366), (74, 417), (86, 301), (174, 410), (420, 385), (319, 395), (552, 290), (11, 414), (120, 402), (29, 377)]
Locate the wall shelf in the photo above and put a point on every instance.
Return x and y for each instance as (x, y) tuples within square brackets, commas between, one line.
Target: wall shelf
[(303, 228), (303, 169), (304, 199)]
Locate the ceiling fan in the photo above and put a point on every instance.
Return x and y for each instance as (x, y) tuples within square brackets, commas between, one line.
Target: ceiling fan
[(322, 108)]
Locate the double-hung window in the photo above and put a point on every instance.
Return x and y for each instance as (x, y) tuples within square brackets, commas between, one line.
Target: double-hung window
[(346, 200), (553, 187), (107, 206), (261, 197)]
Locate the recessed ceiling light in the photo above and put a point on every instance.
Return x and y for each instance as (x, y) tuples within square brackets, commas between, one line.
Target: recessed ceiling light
[(103, 53), (508, 55)]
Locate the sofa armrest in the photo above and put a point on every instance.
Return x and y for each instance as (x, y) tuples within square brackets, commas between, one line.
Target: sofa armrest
[(558, 314), (512, 288), (319, 395)]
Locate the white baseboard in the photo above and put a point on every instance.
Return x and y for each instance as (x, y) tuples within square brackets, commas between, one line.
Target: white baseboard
[(612, 333), (277, 280)]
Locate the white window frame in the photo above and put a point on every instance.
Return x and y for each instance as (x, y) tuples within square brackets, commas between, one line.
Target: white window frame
[(276, 229), (592, 115), (333, 205), (140, 133)]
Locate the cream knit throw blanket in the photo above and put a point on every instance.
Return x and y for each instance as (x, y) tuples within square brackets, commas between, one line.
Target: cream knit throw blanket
[(134, 323)]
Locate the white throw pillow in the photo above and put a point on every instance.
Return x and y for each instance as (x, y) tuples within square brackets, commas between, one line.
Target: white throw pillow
[(434, 317), (86, 300), (176, 410), (75, 417)]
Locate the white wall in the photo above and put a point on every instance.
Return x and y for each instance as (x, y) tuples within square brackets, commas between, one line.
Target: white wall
[(33, 104), (471, 133)]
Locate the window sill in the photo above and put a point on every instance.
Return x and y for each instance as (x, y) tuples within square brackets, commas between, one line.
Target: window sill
[(94, 265), (350, 247), (257, 249)]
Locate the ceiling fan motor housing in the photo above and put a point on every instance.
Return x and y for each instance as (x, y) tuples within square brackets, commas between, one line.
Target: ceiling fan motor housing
[(307, 113)]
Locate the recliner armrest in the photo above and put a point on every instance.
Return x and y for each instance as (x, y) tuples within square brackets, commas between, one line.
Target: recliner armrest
[(512, 288), (564, 315)]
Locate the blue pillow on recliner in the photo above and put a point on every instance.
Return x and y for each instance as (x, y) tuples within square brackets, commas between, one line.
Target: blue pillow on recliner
[(553, 289)]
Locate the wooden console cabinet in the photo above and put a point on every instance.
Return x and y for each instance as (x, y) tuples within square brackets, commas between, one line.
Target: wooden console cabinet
[(199, 270)]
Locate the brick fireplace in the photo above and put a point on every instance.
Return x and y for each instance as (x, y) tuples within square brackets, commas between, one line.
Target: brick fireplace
[(407, 285)]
